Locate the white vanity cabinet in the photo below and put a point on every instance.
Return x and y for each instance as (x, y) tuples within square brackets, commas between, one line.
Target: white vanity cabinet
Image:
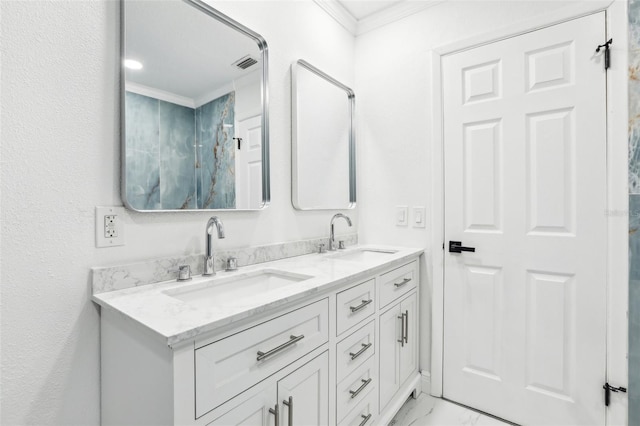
[(346, 355), (398, 347), (301, 397)]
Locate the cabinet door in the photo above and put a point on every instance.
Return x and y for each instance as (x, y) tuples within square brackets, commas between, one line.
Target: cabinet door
[(303, 395), (253, 411), (390, 333), (409, 352)]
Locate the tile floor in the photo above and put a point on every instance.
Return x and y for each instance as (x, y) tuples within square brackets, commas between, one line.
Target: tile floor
[(429, 411)]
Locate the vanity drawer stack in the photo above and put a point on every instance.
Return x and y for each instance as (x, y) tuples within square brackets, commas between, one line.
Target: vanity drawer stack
[(227, 367), (396, 283), (356, 371)]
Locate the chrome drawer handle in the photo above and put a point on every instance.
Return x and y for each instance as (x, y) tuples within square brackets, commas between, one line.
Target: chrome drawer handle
[(403, 337), (365, 346), (406, 280), (360, 306), (406, 327), (366, 419), (294, 339), (289, 404), (357, 391), (276, 413)]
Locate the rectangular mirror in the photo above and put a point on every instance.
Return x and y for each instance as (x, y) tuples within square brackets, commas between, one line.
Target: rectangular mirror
[(323, 153), (194, 109)]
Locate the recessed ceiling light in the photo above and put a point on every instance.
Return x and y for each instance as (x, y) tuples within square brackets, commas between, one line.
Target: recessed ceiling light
[(132, 64)]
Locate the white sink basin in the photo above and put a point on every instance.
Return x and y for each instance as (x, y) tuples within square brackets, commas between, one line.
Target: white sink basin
[(235, 290), (364, 254)]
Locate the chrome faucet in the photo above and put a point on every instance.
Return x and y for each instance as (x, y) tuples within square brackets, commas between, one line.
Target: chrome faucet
[(208, 257), (332, 236)]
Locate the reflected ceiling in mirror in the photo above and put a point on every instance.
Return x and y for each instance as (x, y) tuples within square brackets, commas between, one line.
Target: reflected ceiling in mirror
[(323, 134), (195, 110)]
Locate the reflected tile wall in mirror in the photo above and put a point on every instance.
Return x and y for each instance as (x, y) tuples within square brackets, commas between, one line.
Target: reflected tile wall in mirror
[(216, 153), (143, 173), (165, 171), (177, 157)]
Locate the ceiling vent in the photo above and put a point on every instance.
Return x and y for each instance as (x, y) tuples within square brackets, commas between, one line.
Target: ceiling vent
[(245, 62)]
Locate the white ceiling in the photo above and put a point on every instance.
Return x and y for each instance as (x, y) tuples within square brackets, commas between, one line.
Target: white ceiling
[(360, 16), (184, 52)]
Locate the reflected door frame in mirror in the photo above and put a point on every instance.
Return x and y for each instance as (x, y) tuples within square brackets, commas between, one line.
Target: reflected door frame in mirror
[(259, 138), (322, 117)]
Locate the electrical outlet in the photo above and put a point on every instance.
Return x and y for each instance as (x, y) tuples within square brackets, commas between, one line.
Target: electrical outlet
[(109, 226), (110, 230)]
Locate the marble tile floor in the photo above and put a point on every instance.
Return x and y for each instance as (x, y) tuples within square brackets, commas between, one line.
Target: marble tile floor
[(429, 411)]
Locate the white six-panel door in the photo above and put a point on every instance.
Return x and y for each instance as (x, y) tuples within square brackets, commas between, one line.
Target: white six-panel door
[(249, 164), (525, 185)]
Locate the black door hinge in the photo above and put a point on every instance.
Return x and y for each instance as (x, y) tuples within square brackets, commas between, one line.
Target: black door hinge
[(607, 392), (239, 140), (607, 53)]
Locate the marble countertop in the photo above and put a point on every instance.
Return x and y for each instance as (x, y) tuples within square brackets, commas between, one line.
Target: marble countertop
[(175, 320)]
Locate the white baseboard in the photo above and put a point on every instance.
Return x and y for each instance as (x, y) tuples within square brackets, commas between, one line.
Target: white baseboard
[(425, 382)]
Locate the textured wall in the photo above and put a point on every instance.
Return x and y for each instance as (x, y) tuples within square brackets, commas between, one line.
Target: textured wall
[(60, 159), (634, 212)]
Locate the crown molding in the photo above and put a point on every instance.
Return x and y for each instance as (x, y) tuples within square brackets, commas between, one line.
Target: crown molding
[(376, 20), (340, 14), (394, 13)]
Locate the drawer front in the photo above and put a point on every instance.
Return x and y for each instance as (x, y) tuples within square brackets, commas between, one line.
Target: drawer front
[(227, 367), (395, 283), (354, 305), (364, 414), (355, 388), (354, 350)]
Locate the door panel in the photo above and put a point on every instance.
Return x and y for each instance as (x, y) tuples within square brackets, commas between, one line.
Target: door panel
[(308, 388), (390, 332), (409, 351), (249, 164), (525, 184)]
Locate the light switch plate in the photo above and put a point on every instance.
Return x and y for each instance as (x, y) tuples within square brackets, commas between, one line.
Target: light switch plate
[(109, 226), (418, 219), (402, 215)]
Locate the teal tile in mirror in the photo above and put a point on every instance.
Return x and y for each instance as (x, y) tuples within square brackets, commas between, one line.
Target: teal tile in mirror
[(323, 152), (195, 109)]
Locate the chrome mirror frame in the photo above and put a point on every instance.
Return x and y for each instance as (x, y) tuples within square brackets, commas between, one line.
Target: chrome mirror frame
[(294, 137), (262, 45)]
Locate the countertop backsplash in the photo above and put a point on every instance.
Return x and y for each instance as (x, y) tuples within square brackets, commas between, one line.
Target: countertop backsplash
[(119, 277)]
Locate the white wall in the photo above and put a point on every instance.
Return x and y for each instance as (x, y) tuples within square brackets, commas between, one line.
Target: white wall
[(393, 93), (60, 158)]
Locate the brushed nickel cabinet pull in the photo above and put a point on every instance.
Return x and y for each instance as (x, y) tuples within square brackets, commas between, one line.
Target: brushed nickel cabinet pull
[(289, 404), (400, 284), (366, 419), (365, 346), (357, 391), (276, 413), (406, 327), (360, 306), (294, 339), (402, 339)]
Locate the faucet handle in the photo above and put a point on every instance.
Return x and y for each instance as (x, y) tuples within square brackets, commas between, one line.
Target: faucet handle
[(232, 264), (184, 272), (322, 248), (341, 245)]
